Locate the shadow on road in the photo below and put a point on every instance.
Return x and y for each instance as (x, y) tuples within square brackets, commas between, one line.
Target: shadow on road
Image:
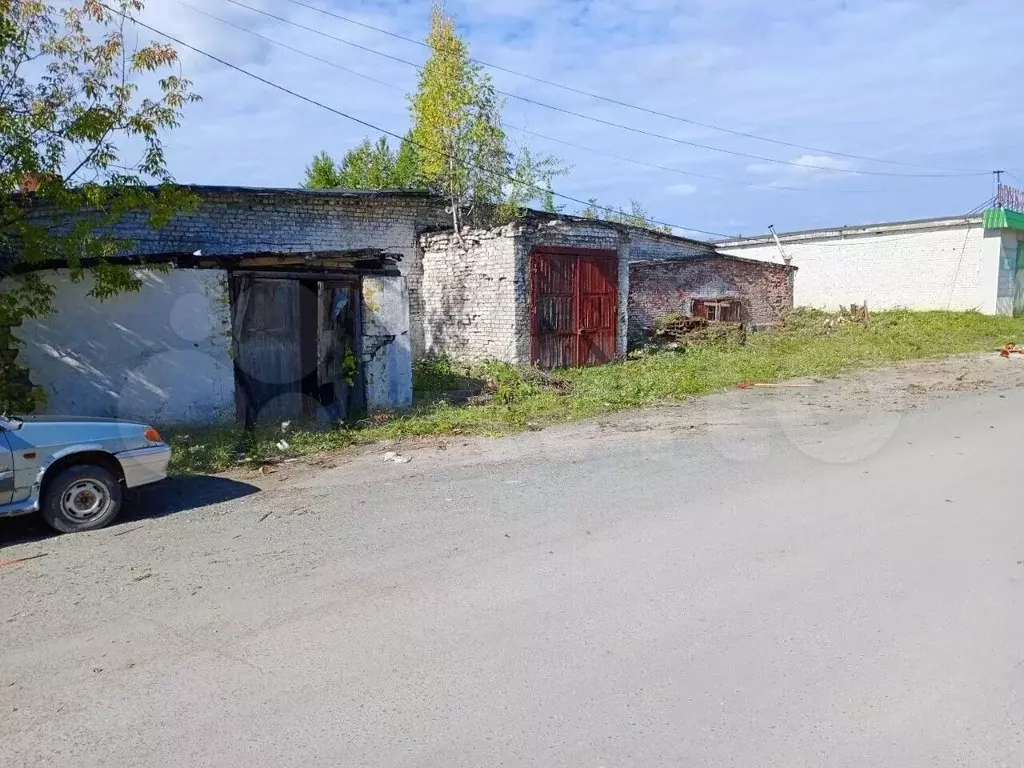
[(176, 494)]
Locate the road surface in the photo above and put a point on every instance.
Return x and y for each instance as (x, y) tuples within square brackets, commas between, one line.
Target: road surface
[(830, 575)]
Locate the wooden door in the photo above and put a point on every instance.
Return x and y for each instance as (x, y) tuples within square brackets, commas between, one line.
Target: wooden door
[(339, 374), (574, 307), (269, 368), (598, 302)]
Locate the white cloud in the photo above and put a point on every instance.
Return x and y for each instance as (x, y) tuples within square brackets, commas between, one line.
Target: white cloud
[(815, 165), (681, 189), (870, 77)]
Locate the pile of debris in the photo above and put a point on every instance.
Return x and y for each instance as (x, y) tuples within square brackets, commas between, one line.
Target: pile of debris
[(1011, 349), (854, 315), (676, 331)]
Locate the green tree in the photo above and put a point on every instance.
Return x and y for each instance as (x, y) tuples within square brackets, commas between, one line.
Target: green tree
[(636, 216), (368, 166), (69, 101), (456, 124), (323, 173), (456, 147)]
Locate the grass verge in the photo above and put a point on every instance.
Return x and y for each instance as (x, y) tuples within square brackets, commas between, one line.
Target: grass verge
[(495, 398)]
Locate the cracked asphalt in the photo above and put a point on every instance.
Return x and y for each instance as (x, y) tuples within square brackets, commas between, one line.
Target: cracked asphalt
[(829, 574)]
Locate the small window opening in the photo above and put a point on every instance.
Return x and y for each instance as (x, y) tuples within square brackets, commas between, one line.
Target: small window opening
[(718, 311)]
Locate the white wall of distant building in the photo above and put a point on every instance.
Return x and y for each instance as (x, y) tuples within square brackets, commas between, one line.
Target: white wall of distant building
[(940, 264)]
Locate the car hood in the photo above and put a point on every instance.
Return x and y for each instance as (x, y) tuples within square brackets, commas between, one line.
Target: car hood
[(72, 420)]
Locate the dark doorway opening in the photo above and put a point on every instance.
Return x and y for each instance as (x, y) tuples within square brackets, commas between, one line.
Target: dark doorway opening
[(296, 348)]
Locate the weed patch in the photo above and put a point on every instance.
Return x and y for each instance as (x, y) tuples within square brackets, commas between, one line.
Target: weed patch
[(496, 398)]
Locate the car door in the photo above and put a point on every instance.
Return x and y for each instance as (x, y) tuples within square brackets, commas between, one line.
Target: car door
[(6, 469)]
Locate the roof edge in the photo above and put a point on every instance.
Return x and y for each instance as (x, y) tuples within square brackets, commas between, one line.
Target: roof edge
[(1001, 218), (860, 229)]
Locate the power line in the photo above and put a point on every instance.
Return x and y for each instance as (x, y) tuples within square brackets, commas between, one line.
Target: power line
[(963, 250), (612, 124), (623, 158), (628, 105), (386, 132)]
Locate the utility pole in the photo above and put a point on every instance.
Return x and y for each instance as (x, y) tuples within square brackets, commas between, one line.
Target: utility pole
[(786, 259), (999, 182)]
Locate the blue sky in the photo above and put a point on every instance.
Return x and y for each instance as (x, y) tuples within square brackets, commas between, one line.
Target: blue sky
[(919, 81)]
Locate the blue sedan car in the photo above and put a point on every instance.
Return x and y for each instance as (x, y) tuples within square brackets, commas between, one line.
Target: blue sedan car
[(73, 471)]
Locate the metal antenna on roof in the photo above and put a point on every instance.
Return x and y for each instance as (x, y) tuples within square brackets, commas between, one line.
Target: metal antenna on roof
[(782, 252)]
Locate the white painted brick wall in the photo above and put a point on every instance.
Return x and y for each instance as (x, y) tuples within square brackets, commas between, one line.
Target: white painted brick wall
[(470, 297), (161, 354), (476, 294), (231, 221), (926, 266)]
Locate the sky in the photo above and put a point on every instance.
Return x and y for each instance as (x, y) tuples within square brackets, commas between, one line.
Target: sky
[(927, 84)]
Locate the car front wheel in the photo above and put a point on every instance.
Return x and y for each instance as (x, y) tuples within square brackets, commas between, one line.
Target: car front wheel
[(81, 498)]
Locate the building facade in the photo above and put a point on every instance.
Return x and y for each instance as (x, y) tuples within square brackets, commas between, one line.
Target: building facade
[(267, 305), (558, 290), (956, 263)]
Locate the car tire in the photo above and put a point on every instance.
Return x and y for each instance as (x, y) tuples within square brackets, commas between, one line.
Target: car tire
[(81, 498)]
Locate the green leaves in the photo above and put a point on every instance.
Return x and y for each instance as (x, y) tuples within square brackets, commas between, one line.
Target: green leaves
[(457, 146), (368, 166), (69, 100)]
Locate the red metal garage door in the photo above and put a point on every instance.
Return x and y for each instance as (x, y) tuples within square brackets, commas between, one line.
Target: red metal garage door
[(574, 306)]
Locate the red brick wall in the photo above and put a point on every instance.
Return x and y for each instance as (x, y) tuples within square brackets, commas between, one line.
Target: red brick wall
[(657, 288)]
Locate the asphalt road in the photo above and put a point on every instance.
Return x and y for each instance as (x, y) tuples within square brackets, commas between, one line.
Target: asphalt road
[(770, 578)]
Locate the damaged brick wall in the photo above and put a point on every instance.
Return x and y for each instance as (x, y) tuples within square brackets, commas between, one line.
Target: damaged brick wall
[(232, 221), (658, 288), (471, 294), (476, 288)]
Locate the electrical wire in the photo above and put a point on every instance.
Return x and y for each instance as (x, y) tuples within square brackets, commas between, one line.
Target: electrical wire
[(619, 126), (384, 131), (963, 250), (523, 129), (617, 102)]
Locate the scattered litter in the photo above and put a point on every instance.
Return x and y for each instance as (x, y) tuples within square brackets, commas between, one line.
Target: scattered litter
[(266, 469), (393, 458), (265, 516), (283, 445), (130, 530), (285, 426), (5, 563), (782, 385), (143, 577), (1011, 349)]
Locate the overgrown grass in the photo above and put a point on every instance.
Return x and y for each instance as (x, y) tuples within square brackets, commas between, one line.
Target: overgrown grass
[(503, 398)]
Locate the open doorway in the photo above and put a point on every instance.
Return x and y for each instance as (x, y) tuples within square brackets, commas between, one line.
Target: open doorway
[(296, 347)]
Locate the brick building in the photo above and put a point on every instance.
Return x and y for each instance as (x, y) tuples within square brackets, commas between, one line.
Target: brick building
[(953, 263), (560, 290), (278, 304), (285, 304), (713, 286)]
